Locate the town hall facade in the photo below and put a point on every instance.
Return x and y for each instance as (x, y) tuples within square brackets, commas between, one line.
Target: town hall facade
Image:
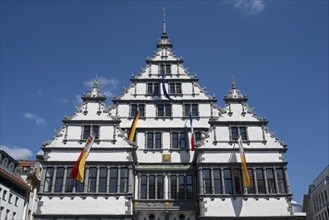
[(157, 176)]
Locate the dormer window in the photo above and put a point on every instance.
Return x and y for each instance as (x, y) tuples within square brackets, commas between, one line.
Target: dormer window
[(237, 131), (87, 129), (165, 69), (175, 88), (153, 89)]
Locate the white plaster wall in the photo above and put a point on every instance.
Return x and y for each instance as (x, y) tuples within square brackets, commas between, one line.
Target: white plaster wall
[(84, 206), (93, 156), (251, 157), (255, 133), (4, 202), (242, 208)]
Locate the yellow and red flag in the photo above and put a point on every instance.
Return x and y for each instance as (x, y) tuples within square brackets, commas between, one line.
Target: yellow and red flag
[(133, 127), (245, 173), (78, 170)]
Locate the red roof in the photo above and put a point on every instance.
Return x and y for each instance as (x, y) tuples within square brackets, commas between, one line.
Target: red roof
[(15, 179)]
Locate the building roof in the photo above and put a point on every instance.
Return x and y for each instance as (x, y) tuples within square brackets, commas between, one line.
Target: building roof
[(16, 180)]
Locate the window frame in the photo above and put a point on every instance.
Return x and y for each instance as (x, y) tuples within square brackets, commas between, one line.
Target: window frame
[(239, 130), (166, 110), (153, 88), (133, 110), (153, 140)]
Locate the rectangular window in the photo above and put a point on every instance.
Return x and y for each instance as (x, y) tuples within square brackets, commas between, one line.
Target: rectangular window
[(181, 187), (151, 187), (228, 181), (113, 180), (281, 181), (79, 187), (168, 69), (164, 110), (206, 181), (16, 201), (197, 135), (124, 180), (260, 181), (178, 140), (69, 180), (134, 107), (92, 179), (238, 181), (7, 214), (270, 181), (165, 69), (10, 197), (217, 181), (102, 179), (154, 140), (4, 195), (59, 179), (48, 179), (175, 88), (251, 189), (189, 187), (173, 187), (87, 130), (238, 131), (191, 107), (153, 89), (143, 187), (14, 216), (159, 187)]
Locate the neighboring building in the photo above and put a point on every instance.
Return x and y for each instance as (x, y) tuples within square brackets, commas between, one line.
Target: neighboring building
[(316, 202), (30, 171), (14, 191), (157, 176)]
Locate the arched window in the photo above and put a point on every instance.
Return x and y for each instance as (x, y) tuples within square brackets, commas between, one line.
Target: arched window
[(181, 217), (151, 217)]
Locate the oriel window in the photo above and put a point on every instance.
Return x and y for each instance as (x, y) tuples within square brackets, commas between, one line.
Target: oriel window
[(251, 189), (143, 187), (260, 181), (102, 179), (92, 179), (206, 181), (48, 179), (113, 179), (217, 181), (281, 181), (228, 181), (124, 180), (270, 181), (69, 181), (59, 179)]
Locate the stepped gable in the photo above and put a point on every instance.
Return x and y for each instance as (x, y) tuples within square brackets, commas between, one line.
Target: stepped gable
[(92, 111)]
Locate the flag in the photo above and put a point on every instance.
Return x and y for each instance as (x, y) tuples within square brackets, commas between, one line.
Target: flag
[(164, 88), (133, 127), (78, 170), (192, 133), (245, 173)]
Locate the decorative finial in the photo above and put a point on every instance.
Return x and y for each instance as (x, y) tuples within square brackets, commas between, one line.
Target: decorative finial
[(96, 81), (233, 82), (164, 20)]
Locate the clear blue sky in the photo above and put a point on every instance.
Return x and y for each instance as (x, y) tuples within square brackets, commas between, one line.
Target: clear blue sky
[(277, 51)]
